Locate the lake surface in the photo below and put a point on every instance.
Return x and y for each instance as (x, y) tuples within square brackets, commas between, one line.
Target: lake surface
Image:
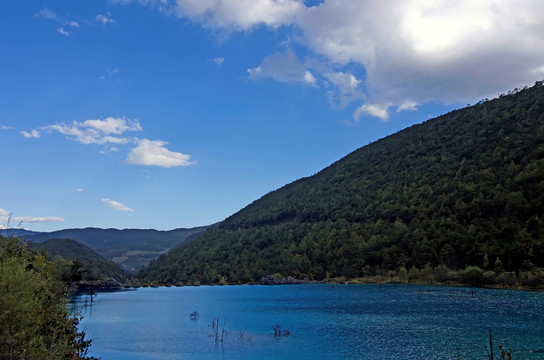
[(325, 322)]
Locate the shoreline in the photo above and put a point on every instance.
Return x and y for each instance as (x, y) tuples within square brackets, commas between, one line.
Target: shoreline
[(292, 281)]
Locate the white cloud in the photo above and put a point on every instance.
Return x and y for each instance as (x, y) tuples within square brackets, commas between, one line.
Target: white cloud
[(104, 19), (539, 70), (346, 88), (5, 127), (68, 21), (47, 14), (109, 73), (287, 67), (402, 50), (407, 105), (309, 78), (63, 32), (430, 50), (112, 125), (116, 205), (254, 72), (284, 67), (110, 131), (240, 14), (219, 60), (153, 153), (5, 216), (32, 134), (35, 219), (98, 131), (374, 110)]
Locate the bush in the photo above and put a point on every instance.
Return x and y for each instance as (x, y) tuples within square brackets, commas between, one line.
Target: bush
[(473, 275), (507, 278), (490, 277), (530, 279)]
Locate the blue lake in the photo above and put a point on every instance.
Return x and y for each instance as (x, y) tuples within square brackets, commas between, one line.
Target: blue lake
[(325, 322)]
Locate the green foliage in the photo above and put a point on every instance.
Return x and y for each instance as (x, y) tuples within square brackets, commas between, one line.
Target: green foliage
[(444, 192), (34, 320), (473, 275)]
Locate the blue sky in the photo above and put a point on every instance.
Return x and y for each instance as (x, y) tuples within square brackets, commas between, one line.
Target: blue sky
[(165, 114)]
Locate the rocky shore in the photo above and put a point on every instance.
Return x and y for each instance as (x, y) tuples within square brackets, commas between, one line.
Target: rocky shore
[(272, 280), (108, 284)]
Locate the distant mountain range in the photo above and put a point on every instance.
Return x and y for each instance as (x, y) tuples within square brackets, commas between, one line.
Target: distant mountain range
[(463, 189), (129, 248), (5, 231)]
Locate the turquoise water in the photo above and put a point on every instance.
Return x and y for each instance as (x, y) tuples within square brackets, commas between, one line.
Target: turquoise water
[(325, 322)]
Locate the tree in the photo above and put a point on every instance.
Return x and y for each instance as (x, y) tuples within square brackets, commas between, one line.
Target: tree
[(35, 322)]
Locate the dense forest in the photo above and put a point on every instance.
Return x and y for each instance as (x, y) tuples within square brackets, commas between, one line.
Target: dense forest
[(35, 322), (462, 190)]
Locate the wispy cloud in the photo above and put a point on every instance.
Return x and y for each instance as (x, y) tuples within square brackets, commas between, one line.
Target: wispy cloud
[(97, 131), (6, 127), (285, 67), (69, 21), (104, 19), (219, 60), (32, 134), (116, 205), (63, 32), (343, 87), (154, 153), (48, 14), (346, 88), (110, 73), (5, 216)]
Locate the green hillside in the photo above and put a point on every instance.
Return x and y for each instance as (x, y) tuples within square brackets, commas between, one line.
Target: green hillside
[(466, 188), (84, 260)]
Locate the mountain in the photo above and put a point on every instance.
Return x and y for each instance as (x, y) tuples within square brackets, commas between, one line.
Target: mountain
[(89, 262), (5, 231), (463, 189), (130, 248)]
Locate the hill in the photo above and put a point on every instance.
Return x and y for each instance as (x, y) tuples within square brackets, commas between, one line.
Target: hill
[(130, 248), (463, 189), (16, 232), (85, 261)]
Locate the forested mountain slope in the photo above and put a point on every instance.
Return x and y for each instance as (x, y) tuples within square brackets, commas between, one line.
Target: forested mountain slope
[(83, 259), (466, 188)]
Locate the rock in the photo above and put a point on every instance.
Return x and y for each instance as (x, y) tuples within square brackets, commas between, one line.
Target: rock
[(272, 280), (111, 283)]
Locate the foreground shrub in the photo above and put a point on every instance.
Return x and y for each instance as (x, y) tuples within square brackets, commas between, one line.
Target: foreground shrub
[(34, 320)]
